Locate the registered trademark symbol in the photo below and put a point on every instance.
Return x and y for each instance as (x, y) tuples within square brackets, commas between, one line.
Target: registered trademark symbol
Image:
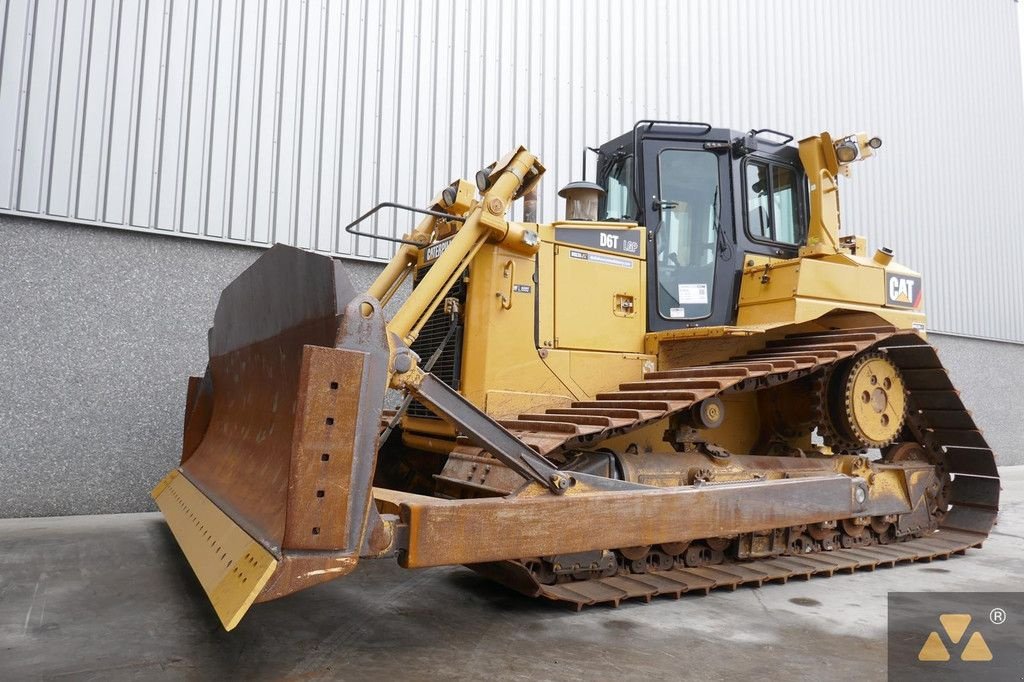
[(997, 616)]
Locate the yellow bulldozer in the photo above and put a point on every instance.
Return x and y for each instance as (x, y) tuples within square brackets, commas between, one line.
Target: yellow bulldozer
[(691, 382)]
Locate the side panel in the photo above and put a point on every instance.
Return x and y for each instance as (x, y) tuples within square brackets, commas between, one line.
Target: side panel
[(499, 352), (599, 301), (514, 361), (811, 279), (774, 293), (597, 372)]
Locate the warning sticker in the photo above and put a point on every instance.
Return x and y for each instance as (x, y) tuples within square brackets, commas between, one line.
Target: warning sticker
[(600, 258), (677, 312), (693, 293)]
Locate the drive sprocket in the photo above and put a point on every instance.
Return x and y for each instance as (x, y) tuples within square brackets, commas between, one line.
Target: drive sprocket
[(865, 404)]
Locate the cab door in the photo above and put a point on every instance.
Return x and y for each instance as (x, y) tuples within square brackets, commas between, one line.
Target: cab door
[(691, 246)]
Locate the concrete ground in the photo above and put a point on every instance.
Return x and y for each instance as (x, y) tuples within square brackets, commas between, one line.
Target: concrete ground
[(110, 597)]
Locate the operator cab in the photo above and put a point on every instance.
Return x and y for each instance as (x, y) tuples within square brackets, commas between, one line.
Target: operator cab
[(707, 197)]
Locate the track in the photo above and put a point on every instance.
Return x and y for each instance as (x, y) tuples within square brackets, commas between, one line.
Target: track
[(663, 394), (937, 419), (702, 579)]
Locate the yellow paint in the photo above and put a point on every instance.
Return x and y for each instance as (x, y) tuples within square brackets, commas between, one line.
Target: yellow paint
[(832, 272), (683, 351), (498, 348), (511, 404), (774, 292), (586, 315), (818, 157), (654, 338), (933, 649), (582, 290), (878, 400), (231, 566), (532, 306), (483, 223), (504, 371), (891, 484), (597, 372), (955, 625), (976, 649)]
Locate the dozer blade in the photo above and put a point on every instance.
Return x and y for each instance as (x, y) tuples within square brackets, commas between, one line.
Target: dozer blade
[(273, 493)]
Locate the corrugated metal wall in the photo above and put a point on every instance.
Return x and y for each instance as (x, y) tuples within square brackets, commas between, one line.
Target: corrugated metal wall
[(273, 120)]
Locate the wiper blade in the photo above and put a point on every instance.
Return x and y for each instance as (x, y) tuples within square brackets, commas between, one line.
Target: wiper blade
[(723, 243)]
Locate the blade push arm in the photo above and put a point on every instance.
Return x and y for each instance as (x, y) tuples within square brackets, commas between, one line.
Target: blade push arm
[(484, 221)]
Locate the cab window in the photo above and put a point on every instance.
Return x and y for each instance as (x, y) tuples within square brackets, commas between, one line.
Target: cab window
[(618, 182), (772, 203), (687, 233)]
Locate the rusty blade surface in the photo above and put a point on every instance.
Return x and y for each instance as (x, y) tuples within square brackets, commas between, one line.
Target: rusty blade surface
[(281, 432), (288, 298), (242, 462)]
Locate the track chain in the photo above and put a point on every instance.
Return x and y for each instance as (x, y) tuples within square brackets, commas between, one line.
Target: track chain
[(662, 394), (702, 579)]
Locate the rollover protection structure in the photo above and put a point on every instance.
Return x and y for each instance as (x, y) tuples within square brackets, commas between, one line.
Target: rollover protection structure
[(693, 381)]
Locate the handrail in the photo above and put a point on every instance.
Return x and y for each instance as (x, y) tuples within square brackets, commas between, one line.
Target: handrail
[(398, 240), (786, 137)]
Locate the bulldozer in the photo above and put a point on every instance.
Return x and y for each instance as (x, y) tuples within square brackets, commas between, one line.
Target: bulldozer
[(692, 382)]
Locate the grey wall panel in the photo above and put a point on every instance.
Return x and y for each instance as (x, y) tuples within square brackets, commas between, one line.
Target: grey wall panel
[(101, 329), (256, 121)]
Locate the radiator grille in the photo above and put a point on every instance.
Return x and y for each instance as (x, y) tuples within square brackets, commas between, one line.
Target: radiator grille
[(448, 367)]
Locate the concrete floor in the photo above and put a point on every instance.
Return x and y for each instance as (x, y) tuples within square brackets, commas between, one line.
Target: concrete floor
[(110, 597)]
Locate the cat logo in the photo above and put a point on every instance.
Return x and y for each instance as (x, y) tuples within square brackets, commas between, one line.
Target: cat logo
[(955, 625), (434, 251), (903, 291)]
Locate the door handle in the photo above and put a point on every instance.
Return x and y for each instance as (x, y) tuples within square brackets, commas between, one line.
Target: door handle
[(508, 273)]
